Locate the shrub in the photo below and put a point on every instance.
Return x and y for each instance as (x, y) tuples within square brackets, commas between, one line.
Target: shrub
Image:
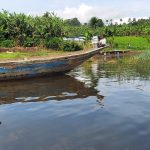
[(58, 44), (54, 43), (31, 42), (7, 43), (71, 46)]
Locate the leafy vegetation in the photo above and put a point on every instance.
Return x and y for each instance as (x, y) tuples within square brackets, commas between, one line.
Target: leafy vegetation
[(7, 43), (54, 43), (71, 46), (95, 22), (72, 22), (47, 31)]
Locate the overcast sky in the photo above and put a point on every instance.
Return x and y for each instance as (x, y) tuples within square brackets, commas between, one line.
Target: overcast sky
[(82, 9)]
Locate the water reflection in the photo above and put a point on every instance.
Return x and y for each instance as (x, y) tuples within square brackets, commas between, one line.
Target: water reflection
[(121, 69), (64, 113), (43, 89)]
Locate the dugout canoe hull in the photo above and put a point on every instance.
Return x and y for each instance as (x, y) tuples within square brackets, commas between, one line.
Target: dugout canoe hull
[(35, 68)]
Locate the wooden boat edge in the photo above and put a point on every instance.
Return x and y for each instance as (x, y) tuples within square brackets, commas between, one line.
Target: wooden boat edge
[(52, 59), (36, 68)]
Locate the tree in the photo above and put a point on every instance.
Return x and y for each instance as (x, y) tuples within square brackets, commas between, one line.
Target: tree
[(121, 20), (129, 20), (134, 22), (111, 22), (107, 21), (100, 23), (73, 22), (95, 22)]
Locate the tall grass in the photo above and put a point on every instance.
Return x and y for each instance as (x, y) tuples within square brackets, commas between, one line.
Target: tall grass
[(140, 64)]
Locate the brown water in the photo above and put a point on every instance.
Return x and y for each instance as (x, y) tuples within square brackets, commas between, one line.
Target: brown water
[(98, 106)]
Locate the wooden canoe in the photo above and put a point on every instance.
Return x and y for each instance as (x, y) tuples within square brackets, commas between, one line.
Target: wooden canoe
[(39, 67)]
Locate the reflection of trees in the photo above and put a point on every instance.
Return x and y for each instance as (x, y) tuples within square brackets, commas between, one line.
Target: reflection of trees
[(89, 72), (143, 65), (127, 68)]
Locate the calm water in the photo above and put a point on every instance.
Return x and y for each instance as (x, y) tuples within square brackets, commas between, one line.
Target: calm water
[(98, 106)]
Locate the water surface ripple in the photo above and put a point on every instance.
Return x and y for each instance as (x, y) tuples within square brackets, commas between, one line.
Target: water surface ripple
[(95, 107)]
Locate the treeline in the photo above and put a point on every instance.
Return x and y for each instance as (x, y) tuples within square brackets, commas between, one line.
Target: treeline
[(28, 31), (95, 26), (48, 30)]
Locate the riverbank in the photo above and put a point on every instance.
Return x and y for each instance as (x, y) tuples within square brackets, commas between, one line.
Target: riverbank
[(26, 53), (130, 43), (40, 55), (36, 54)]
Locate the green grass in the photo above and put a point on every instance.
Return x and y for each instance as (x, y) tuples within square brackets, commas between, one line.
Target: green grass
[(120, 43), (17, 55), (130, 42)]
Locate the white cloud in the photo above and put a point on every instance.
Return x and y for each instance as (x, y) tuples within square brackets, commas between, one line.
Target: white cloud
[(130, 9), (84, 12)]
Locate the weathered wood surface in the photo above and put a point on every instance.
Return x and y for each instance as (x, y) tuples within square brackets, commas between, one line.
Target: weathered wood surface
[(20, 69)]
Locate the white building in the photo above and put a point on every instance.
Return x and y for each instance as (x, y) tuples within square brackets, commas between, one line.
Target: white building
[(76, 39)]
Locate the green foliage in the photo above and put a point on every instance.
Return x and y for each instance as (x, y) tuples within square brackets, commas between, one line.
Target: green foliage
[(22, 28), (47, 31), (148, 38), (95, 22), (110, 41), (129, 42), (31, 42), (71, 46), (7, 43), (54, 43), (73, 22)]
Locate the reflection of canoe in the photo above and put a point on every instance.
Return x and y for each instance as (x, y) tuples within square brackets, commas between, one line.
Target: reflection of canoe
[(43, 89), (40, 67)]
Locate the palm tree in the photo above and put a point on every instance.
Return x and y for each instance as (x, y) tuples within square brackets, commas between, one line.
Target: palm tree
[(129, 20), (111, 22), (121, 20), (107, 21)]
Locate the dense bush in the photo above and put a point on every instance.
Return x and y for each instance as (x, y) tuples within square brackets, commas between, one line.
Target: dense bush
[(23, 29), (31, 42), (7, 43), (54, 43), (71, 46), (59, 44)]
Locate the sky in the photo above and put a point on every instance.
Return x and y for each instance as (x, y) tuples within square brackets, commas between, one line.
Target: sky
[(82, 9)]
